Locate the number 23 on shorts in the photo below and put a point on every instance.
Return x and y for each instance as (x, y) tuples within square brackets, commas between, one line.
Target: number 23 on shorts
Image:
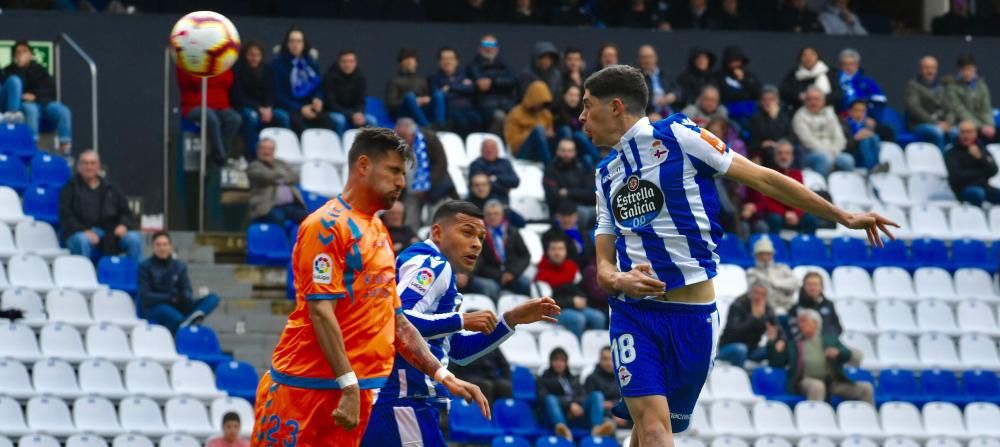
[(288, 431)]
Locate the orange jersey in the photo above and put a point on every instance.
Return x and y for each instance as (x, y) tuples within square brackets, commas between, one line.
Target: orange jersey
[(345, 255)]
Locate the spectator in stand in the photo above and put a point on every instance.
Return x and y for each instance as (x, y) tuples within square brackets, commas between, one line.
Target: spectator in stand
[(838, 20), (970, 167), (749, 318), (768, 124), (573, 68), (402, 235), (969, 97), (223, 122), (862, 139), (344, 90), (606, 55), (458, 92), (37, 96), (165, 289), (504, 258), (811, 297), (274, 194), (697, 75), (529, 125), (568, 126), (524, 12), (95, 214), (816, 126), (571, 13), (856, 85), (769, 215), (707, 107), (252, 95), (663, 92), (811, 72), (927, 106), (563, 402), (736, 82), (230, 433), (641, 14), (10, 99), (544, 67), (568, 225), (815, 362), (723, 129), (499, 170), (428, 181), (491, 373), (958, 21), (567, 179), (730, 18), (794, 17), (694, 16), (297, 83), (777, 277), (409, 96), (496, 84), (479, 189), (604, 379), (563, 274)]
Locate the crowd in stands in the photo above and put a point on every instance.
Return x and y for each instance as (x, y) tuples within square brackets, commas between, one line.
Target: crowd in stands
[(28, 95)]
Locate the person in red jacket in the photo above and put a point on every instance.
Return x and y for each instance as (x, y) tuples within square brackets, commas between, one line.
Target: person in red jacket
[(563, 275), (222, 121), (768, 215)]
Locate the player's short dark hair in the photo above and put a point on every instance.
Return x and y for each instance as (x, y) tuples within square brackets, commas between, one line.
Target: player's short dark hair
[(376, 142), (231, 417), (623, 82), (160, 234), (453, 208)]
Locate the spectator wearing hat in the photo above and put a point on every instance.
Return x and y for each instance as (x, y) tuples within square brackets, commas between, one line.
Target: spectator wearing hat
[(408, 95), (696, 76), (496, 84), (529, 125), (968, 97), (749, 318), (736, 83), (927, 106), (544, 67), (777, 277), (970, 168)]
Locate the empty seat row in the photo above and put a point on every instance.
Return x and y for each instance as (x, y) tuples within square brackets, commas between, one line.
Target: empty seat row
[(922, 317), (894, 282), (823, 441), (70, 306), (88, 440), (933, 350), (29, 237), (45, 170), (104, 340), (68, 272)]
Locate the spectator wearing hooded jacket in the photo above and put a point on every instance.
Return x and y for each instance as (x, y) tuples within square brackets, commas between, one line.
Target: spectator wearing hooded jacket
[(529, 125), (663, 92), (810, 72), (696, 76), (297, 84), (409, 96), (544, 67), (969, 97), (856, 85), (738, 86), (37, 96), (458, 92), (344, 91), (252, 95), (496, 84), (927, 108)]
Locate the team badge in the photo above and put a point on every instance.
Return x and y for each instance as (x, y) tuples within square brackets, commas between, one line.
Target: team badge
[(321, 267), (624, 377), (422, 281)]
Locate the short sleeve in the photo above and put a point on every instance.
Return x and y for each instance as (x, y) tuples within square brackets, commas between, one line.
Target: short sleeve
[(702, 145), (321, 261), (420, 277), (604, 223)]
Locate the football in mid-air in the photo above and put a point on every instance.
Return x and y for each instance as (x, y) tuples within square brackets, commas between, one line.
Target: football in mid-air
[(204, 43)]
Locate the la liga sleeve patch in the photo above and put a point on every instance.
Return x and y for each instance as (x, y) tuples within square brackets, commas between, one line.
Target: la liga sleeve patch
[(422, 281), (321, 269)]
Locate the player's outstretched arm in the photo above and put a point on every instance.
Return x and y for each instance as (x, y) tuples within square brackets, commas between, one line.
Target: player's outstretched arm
[(411, 345), (533, 310), (792, 193), (636, 283), (331, 343), (468, 346)]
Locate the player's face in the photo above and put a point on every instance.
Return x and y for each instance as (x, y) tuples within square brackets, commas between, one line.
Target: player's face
[(597, 120), (460, 240), (388, 178)]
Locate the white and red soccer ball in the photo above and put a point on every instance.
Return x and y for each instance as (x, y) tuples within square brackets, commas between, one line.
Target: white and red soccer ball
[(204, 43)]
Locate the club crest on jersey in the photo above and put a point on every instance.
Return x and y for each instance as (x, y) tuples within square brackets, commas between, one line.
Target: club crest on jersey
[(624, 376), (422, 281), (658, 149), (321, 267), (637, 202)]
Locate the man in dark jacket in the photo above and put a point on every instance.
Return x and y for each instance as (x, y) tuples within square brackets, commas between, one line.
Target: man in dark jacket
[(926, 105), (958, 21), (490, 372), (749, 318), (428, 182), (567, 179), (563, 401), (736, 83), (38, 96), (165, 289), (499, 170), (344, 90), (544, 67), (252, 95), (811, 297), (697, 75), (970, 167), (605, 380), (495, 83), (458, 92), (769, 124), (408, 95), (815, 362), (663, 91), (504, 258), (95, 214)]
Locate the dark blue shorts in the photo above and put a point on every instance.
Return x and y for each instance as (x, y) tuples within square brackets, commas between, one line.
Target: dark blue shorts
[(663, 349), (404, 422)]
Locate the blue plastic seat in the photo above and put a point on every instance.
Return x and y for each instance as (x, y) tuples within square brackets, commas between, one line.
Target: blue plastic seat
[(971, 253), (13, 173), (942, 385), (267, 245), (467, 425), (850, 251), (523, 382), (200, 343), (553, 441), (928, 252), (993, 255), (238, 379), (807, 249), (313, 201), (899, 384), (375, 107), (732, 250), (118, 272), (17, 140), (772, 384), (49, 170), (890, 117), (516, 417), (42, 203), (780, 247), (981, 385), (857, 375), (596, 441), (894, 253), (510, 441)]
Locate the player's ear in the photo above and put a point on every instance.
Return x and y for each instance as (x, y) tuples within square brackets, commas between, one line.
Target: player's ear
[(436, 232), (362, 164)]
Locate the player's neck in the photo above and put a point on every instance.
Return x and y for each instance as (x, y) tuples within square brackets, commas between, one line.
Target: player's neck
[(355, 198), (625, 123)]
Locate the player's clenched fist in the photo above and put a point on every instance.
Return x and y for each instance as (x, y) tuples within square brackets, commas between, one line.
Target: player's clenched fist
[(479, 321), (346, 413), (639, 282)]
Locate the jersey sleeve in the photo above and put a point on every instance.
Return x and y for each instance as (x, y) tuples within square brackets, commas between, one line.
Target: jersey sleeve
[(604, 224), (467, 346), (423, 281), (702, 145), (321, 261)]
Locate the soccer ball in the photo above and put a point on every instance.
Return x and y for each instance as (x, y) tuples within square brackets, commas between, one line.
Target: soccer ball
[(204, 43)]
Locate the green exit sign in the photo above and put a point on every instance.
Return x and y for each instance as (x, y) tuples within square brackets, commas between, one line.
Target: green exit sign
[(41, 48)]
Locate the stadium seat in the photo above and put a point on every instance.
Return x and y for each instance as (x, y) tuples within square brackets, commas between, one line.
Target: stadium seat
[(286, 144), (855, 316), (7, 246), (522, 349), (118, 272), (13, 173), (942, 385), (567, 341), (731, 281), (75, 272), (596, 441), (42, 203), (194, 378), (930, 189), (267, 245), (862, 343), (853, 282), (974, 283), (516, 418), (814, 180), (901, 419), (729, 441), (731, 382), (222, 405), (889, 189), (944, 419), (816, 418), (982, 419), (474, 145), (30, 271), (12, 418), (19, 342), (466, 423), (523, 383), (115, 307), (4, 284), (994, 220), (848, 188), (153, 341), (780, 246), (895, 315), (37, 440), (17, 140), (474, 301), (896, 350), (807, 249), (179, 440), (733, 250), (891, 153), (10, 206), (982, 385), (14, 381), (930, 221), (49, 171), (94, 414), (321, 177), (730, 417), (100, 377), (984, 442), (69, 307), (893, 282), (131, 440), (592, 342), (978, 351), (534, 244), (859, 374), (5, 442), (937, 351), (857, 418), (509, 441), (458, 180), (454, 150), (971, 253), (771, 441), (28, 302), (189, 416), (895, 214), (553, 441), (774, 419), (141, 415), (62, 341), (943, 442), (700, 425), (148, 379), (928, 252), (850, 251), (936, 316), (858, 441), (322, 144), (828, 287), (237, 378), (38, 238), (970, 222), (771, 384), (200, 343), (83, 440), (347, 140), (898, 385), (108, 341), (54, 377), (925, 158), (934, 282), (313, 201), (900, 441), (49, 415)]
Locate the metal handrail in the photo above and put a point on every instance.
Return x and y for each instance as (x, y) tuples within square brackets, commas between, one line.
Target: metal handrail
[(63, 37)]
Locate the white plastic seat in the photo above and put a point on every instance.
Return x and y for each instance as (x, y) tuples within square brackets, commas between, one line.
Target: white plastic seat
[(12, 418), (828, 290), (458, 180), (565, 340), (849, 188), (148, 379), (84, 440), (900, 441), (975, 283), (700, 424), (862, 343), (10, 206), (531, 175), (902, 419), (943, 442), (592, 342), (534, 244), (978, 351), (30, 271), (27, 301), (141, 415), (969, 221), (814, 180), (321, 177), (108, 341), (774, 418), (152, 341), (982, 419), (19, 342), (855, 316), (75, 272), (893, 282), (131, 440), (934, 282), (679, 441), (179, 440), (936, 316), (322, 144), (853, 282), (937, 351), (186, 415), (771, 441), (223, 405), (347, 140), (56, 378), (930, 189), (890, 189), (984, 442), (891, 153), (729, 417), (530, 208), (896, 350), (454, 149), (522, 349), (930, 221), (474, 145), (944, 419), (194, 378), (976, 316), (37, 440), (731, 281), (14, 381), (50, 415), (37, 237), (5, 442), (286, 144), (68, 306), (858, 418), (94, 414), (816, 418), (894, 315), (925, 158), (729, 441), (730, 382), (62, 341), (858, 441), (7, 246), (896, 214), (101, 377), (116, 307), (474, 301), (816, 441), (994, 150)]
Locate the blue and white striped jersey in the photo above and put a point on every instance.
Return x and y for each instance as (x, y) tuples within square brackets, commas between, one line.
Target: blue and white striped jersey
[(656, 193), (425, 283)]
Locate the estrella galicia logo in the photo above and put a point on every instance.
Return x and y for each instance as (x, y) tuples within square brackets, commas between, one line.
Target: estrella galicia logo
[(637, 202)]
